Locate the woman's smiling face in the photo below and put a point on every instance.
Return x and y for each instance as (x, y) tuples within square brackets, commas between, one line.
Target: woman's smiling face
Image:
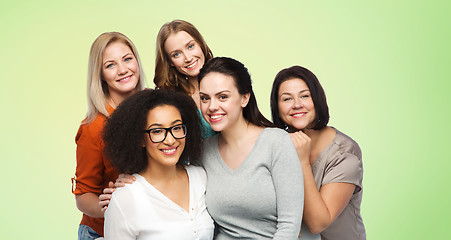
[(185, 53), (295, 104)]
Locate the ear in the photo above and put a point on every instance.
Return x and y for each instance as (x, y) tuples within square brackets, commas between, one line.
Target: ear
[(245, 99)]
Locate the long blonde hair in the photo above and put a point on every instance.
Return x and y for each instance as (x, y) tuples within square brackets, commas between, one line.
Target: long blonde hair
[(167, 77), (97, 88)]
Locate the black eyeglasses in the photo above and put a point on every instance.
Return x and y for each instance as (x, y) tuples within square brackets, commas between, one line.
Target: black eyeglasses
[(157, 135)]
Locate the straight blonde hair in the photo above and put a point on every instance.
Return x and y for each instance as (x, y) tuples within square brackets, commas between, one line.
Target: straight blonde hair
[(97, 88)]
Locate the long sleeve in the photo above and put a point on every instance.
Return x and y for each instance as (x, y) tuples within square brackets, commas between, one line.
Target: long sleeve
[(116, 224), (288, 182)]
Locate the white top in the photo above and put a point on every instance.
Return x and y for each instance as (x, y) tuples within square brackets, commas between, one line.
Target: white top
[(140, 211)]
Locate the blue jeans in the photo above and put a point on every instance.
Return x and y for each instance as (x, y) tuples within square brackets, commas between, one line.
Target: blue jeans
[(86, 233)]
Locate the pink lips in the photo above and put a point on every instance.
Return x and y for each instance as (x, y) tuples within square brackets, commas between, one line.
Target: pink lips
[(216, 117), (126, 77), (194, 65), (169, 151), (298, 114)]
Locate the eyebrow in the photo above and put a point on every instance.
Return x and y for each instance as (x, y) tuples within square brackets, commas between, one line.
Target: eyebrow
[(177, 50), (129, 53), (221, 92), (161, 125)]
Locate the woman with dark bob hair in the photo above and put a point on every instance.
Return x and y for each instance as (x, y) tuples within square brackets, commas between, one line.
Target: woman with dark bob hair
[(254, 188), (155, 135), (331, 161)]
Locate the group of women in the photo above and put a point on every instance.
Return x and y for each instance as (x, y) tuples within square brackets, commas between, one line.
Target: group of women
[(200, 160)]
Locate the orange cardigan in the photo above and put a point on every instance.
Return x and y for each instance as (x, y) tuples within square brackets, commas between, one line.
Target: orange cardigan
[(93, 170)]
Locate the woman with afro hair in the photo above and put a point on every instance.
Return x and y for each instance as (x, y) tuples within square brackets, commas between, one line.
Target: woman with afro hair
[(155, 136)]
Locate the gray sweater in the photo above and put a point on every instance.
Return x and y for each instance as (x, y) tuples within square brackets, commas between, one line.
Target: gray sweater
[(261, 199)]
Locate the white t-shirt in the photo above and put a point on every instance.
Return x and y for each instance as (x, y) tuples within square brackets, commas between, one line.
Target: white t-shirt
[(140, 211)]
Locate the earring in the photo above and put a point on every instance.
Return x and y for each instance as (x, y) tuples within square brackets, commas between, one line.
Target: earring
[(176, 80), (286, 127), (187, 162)]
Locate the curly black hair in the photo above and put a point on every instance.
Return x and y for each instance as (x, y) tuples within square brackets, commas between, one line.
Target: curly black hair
[(123, 133)]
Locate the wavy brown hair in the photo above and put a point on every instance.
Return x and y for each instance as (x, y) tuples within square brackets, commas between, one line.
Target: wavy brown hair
[(166, 76)]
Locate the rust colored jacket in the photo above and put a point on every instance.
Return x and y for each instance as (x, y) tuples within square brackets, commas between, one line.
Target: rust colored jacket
[(93, 170)]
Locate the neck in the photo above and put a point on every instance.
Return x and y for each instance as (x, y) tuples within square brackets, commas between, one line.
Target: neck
[(313, 134), (236, 133), (193, 81), (156, 173), (115, 98)]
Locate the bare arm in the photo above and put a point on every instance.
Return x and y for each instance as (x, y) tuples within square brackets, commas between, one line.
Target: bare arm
[(321, 207), (88, 203)]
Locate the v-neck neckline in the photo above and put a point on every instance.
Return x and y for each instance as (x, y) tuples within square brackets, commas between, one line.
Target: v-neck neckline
[(244, 163), (164, 197)]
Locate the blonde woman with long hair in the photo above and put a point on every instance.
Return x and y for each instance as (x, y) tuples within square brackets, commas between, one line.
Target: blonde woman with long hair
[(114, 73)]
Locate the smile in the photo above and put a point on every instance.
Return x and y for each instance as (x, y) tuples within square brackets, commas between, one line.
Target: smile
[(169, 151), (216, 117), (125, 79), (298, 115), (192, 65)]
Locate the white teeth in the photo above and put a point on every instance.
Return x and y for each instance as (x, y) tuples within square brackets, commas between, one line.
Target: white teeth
[(191, 65), (169, 150), (215, 116), (125, 79), (298, 114)]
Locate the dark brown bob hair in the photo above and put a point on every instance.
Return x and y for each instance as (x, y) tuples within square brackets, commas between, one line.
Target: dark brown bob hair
[(316, 90)]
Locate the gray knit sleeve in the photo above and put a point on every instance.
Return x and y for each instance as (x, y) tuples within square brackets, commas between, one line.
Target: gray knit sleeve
[(289, 186)]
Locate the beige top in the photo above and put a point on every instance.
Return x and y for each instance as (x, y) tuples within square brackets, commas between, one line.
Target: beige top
[(341, 161)]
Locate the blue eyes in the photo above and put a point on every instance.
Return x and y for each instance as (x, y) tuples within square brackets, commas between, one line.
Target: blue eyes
[(127, 59), (190, 47)]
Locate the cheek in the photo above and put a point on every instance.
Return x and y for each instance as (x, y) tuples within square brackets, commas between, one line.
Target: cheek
[(177, 63), (283, 109)]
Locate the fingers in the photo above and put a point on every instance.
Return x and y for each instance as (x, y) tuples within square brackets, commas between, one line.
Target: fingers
[(300, 139), (104, 209), (123, 179)]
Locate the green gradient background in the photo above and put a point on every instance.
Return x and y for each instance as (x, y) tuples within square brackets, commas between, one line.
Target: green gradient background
[(382, 64)]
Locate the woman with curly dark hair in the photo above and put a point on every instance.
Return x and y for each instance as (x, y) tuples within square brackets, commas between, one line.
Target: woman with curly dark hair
[(155, 135)]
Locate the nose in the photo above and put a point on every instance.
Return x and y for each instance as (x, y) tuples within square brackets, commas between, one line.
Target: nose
[(213, 106), (188, 57), (122, 69), (169, 140), (297, 103)]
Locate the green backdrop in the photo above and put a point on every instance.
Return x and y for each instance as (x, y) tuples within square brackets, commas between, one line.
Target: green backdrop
[(382, 64)]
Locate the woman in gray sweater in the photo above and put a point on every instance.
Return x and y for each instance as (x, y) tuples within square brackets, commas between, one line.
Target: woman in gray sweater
[(331, 161), (254, 187), (255, 183)]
